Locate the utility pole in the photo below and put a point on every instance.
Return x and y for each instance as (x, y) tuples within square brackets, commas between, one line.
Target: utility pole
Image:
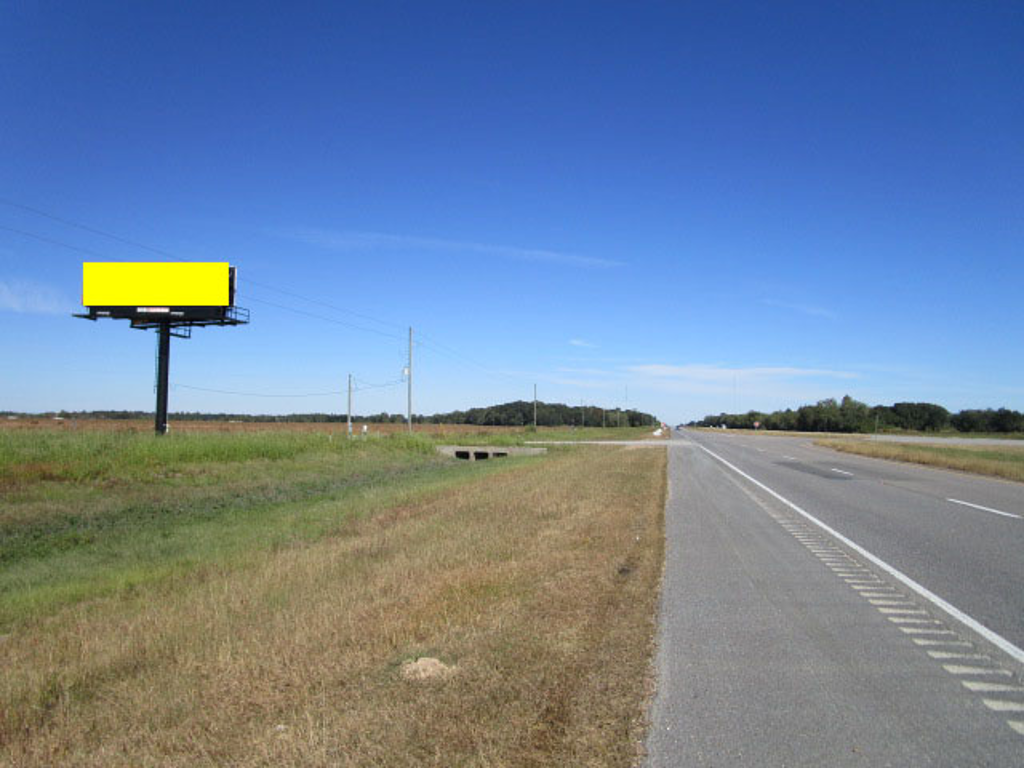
[(535, 408), (602, 418), (583, 414), (410, 378), (349, 419)]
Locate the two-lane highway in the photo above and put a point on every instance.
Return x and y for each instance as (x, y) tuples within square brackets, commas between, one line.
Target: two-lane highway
[(820, 608)]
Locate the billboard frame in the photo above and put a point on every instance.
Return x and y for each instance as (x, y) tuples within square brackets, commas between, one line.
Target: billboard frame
[(167, 322)]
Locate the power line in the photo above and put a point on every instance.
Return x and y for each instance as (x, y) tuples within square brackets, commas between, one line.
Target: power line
[(54, 242), (167, 254), (464, 359), (321, 303), (365, 385), (433, 345), (258, 394), (87, 228), (324, 318)]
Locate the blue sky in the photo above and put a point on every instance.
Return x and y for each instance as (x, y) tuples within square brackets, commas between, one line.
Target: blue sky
[(713, 206)]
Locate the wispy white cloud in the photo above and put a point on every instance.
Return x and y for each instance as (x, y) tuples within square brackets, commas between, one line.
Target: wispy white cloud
[(718, 373), (578, 383), (32, 298), (378, 241), (582, 343), (587, 371), (756, 384), (803, 309)]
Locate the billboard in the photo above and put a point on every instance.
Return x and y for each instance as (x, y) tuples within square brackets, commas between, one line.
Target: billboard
[(158, 291)]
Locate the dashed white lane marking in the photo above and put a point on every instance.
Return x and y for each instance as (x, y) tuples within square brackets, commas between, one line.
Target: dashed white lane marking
[(903, 611), (999, 705), (1017, 654), (939, 642), (985, 509), (950, 655), (787, 458), (927, 631), (957, 643), (960, 669), (980, 686), (842, 472)]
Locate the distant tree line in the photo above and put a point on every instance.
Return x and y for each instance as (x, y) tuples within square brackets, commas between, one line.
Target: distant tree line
[(850, 415), (517, 414), (520, 414)]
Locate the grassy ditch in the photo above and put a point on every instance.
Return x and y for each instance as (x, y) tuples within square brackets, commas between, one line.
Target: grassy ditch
[(533, 580), (995, 461), (93, 514), (568, 434)]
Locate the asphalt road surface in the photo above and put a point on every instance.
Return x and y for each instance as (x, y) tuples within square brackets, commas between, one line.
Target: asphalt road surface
[(826, 609)]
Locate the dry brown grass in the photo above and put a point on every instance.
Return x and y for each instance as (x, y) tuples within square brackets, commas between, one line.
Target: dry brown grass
[(995, 461), (538, 584), (146, 425)]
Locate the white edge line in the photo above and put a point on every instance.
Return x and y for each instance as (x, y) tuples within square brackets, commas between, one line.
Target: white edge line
[(985, 509), (998, 640), (842, 472)]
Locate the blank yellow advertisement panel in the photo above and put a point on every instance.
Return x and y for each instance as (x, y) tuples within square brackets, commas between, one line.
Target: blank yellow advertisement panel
[(155, 284)]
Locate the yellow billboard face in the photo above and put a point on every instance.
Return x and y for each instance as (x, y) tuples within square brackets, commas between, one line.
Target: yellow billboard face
[(155, 284)]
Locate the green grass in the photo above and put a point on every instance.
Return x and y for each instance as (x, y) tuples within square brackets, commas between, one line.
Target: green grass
[(996, 461), (536, 579), (545, 433), (87, 515)]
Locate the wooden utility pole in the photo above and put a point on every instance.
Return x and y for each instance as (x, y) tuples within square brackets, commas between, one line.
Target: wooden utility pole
[(349, 405), (535, 408)]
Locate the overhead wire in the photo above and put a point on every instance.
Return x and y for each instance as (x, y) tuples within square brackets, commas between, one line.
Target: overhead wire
[(458, 357), (258, 394), (50, 240), (366, 385), (86, 227), (169, 255), (324, 318), (362, 386), (424, 343)]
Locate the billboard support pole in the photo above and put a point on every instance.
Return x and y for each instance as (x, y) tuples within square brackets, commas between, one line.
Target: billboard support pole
[(163, 366), (349, 417), (410, 379)]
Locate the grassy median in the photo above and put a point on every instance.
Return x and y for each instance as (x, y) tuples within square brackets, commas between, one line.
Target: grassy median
[(996, 461), (274, 626)]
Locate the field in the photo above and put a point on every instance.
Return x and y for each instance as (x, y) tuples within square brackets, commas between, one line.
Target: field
[(996, 461), (252, 596), (436, 432), (146, 425)]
